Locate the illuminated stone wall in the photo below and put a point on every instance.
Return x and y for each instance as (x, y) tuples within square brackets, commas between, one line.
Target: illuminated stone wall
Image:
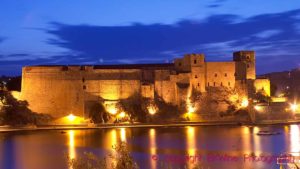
[(62, 90), (263, 85), (221, 74), (52, 91)]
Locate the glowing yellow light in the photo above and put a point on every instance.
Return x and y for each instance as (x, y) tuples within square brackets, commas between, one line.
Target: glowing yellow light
[(152, 146), (72, 153), (152, 109), (112, 110), (122, 114), (245, 103), (294, 140), (191, 140), (71, 117), (294, 107), (191, 109), (113, 137), (234, 98), (258, 108), (189, 105), (123, 134)]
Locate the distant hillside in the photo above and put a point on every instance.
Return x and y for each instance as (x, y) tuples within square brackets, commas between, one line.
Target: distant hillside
[(284, 82)]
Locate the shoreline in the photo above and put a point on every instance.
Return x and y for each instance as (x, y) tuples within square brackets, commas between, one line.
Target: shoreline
[(142, 125)]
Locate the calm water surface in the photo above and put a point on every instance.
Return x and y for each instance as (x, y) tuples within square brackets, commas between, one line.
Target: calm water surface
[(152, 147)]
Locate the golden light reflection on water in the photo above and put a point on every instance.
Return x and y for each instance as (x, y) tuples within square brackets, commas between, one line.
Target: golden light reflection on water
[(113, 138), (152, 137), (257, 141), (295, 140), (246, 140), (72, 152), (191, 141), (123, 134)]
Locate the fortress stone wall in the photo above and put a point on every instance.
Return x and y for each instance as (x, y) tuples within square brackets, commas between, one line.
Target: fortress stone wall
[(62, 90)]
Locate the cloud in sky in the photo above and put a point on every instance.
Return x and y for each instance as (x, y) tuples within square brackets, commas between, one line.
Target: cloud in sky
[(274, 37), (103, 32), (216, 4)]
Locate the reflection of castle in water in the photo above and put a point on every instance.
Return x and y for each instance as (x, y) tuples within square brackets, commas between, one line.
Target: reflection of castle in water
[(61, 90)]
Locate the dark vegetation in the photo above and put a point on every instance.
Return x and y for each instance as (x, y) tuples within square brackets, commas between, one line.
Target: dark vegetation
[(98, 114), (17, 113), (261, 97), (218, 104), (120, 158), (166, 111), (136, 107)]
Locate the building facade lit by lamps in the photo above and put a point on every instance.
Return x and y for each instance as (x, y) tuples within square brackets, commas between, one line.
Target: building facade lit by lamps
[(42, 86)]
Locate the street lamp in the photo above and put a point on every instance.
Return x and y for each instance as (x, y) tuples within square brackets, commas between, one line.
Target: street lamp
[(71, 117)]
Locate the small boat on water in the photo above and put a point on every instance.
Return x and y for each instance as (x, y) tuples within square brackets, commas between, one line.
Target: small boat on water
[(267, 133)]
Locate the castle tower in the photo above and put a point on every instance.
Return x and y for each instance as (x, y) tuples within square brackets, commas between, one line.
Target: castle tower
[(245, 65), (197, 78)]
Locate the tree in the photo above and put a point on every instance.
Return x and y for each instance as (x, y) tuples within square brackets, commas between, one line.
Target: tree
[(262, 97), (165, 110), (14, 112), (120, 159), (98, 114), (136, 107)]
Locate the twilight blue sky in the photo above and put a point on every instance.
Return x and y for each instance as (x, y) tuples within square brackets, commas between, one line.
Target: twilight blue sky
[(138, 31)]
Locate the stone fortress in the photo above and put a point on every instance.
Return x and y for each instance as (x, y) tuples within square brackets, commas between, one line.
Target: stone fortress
[(62, 90)]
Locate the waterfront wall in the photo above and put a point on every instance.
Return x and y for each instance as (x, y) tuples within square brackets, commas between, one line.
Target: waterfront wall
[(64, 90)]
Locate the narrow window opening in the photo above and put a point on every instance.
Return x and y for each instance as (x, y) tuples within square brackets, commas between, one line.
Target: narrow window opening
[(82, 67)]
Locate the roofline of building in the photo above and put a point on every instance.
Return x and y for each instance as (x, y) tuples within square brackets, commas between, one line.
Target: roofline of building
[(116, 66)]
